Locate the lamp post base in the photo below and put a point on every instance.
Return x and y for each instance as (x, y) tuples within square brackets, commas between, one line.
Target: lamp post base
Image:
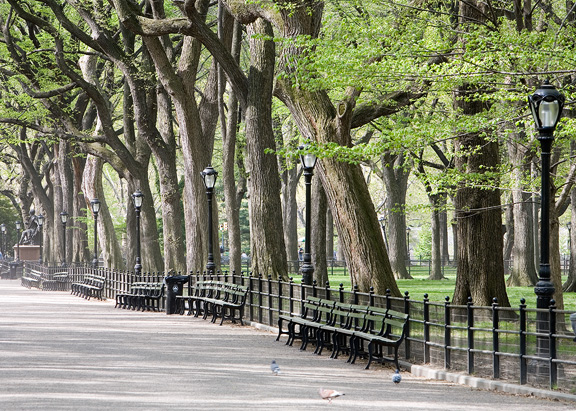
[(307, 271)]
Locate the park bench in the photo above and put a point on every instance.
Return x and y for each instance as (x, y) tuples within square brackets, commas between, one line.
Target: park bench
[(215, 299), (55, 281), (229, 304), (31, 278), (347, 327), (90, 286), (145, 296)]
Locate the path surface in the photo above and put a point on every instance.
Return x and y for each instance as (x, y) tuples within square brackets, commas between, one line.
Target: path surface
[(61, 352)]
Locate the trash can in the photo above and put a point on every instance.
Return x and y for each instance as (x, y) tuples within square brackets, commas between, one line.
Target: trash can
[(174, 287), (14, 269)]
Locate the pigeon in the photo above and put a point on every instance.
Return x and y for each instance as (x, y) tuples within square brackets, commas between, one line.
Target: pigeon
[(275, 368), (396, 378), (329, 394)]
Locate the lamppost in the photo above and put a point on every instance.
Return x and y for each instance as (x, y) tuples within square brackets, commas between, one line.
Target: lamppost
[(3, 239), (209, 176), (308, 160), (18, 228), (64, 220), (569, 227), (546, 105), (408, 229), (95, 203), (40, 220), (138, 198)]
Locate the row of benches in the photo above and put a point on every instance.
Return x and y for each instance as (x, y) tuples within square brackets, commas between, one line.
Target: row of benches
[(90, 286), (215, 299), (47, 282), (142, 296), (346, 328)]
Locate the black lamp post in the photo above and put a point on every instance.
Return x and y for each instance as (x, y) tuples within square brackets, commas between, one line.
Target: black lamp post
[(40, 220), (18, 228), (95, 203), (3, 239), (138, 198), (209, 176), (408, 230), (308, 160), (64, 220), (569, 227), (546, 105)]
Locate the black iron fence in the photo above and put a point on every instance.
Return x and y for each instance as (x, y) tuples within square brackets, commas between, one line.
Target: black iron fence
[(491, 342)]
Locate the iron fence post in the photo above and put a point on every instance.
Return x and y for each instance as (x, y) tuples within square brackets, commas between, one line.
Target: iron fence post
[(552, 342), (523, 330), (270, 300), (407, 311), (495, 339), (426, 315), (470, 330), (447, 333)]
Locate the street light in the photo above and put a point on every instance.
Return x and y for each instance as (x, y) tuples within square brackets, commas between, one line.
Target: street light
[(95, 203), (209, 176), (3, 239), (546, 105), (18, 227), (40, 220), (408, 229), (138, 198), (569, 227), (308, 160), (64, 220)]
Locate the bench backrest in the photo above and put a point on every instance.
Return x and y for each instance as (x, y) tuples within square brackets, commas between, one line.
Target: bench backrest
[(395, 325)]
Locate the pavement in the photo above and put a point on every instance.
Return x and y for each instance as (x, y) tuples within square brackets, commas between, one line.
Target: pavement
[(61, 352)]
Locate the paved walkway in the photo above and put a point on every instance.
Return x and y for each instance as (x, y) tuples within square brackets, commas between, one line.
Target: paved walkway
[(61, 352)]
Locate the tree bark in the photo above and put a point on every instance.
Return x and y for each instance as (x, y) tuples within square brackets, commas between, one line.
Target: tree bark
[(395, 178), (268, 251), (229, 141), (107, 240), (318, 232), (524, 272), (480, 269), (435, 226)]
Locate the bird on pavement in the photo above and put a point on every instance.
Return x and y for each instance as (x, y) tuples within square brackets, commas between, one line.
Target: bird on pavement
[(329, 394), (275, 368), (396, 378)]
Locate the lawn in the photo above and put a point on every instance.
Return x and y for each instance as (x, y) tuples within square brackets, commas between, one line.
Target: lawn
[(438, 290)]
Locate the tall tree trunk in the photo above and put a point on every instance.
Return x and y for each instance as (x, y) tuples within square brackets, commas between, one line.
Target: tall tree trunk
[(395, 178), (480, 272), (443, 229), (229, 141), (268, 251), (436, 257), (570, 284), (524, 272), (555, 210), (329, 235), (80, 249), (290, 176), (318, 232), (107, 240)]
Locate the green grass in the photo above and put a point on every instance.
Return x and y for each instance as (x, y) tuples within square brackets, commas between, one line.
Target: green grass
[(438, 290)]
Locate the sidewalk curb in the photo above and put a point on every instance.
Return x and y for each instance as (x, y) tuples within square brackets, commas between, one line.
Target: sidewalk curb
[(461, 379), (485, 384)]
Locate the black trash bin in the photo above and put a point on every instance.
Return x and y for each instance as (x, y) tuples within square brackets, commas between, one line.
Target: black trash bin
[(14, 265), (174, 287)]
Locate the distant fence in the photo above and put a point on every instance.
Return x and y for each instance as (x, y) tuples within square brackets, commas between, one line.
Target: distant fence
[(491, 342)]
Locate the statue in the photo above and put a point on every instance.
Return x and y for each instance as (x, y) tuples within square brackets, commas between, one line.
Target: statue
[(31, 232)]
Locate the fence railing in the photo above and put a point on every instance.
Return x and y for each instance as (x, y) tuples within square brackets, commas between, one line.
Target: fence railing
[(492, 342)]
